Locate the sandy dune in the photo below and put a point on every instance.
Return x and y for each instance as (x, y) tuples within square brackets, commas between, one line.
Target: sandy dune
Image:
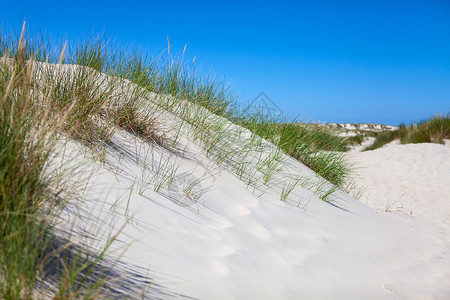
[(412, 179), (412, 182), (211, 234), (236, 244)]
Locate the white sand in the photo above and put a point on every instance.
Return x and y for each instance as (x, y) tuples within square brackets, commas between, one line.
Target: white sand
[(413, 182), (237, 243), (412, 179)]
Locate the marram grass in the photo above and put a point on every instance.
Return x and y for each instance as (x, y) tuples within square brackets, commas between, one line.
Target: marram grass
[(433, 130), (87, 103)]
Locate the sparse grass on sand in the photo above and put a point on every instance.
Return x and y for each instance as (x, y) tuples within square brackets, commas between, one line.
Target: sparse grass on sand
[(43, 95), (433, 130), (314, 146)]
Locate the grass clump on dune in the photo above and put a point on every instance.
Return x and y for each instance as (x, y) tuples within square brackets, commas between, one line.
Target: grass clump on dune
[(33, 114), (25, 128), (433, 130), (43, 96), (314, 146), (383, 138), (173, 77), (170, 76)]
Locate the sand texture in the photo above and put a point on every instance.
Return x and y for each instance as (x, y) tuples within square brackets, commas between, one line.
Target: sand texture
[(224, 238)]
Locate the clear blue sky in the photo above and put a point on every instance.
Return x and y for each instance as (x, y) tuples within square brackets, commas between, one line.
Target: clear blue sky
[(334, 61)]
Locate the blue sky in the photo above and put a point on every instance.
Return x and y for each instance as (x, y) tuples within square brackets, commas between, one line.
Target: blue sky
[(333, 61)]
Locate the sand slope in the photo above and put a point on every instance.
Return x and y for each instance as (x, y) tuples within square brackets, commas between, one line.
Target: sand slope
[(412, 182), (232, 244), (239, 241), (413, 179)]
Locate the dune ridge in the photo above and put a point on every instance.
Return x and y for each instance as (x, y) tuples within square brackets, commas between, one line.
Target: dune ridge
[(240, 241)]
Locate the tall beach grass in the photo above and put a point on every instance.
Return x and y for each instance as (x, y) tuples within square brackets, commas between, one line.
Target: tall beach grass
[(38, 103), (87, 89), (434, 130)]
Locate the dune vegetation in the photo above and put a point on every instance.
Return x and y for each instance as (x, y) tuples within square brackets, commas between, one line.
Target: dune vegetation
[(434, 130), (84, 91), (313, 145)]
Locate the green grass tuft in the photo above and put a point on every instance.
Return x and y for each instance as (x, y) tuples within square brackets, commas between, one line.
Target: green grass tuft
[(433, 130), (314, 146), (87, 103)]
